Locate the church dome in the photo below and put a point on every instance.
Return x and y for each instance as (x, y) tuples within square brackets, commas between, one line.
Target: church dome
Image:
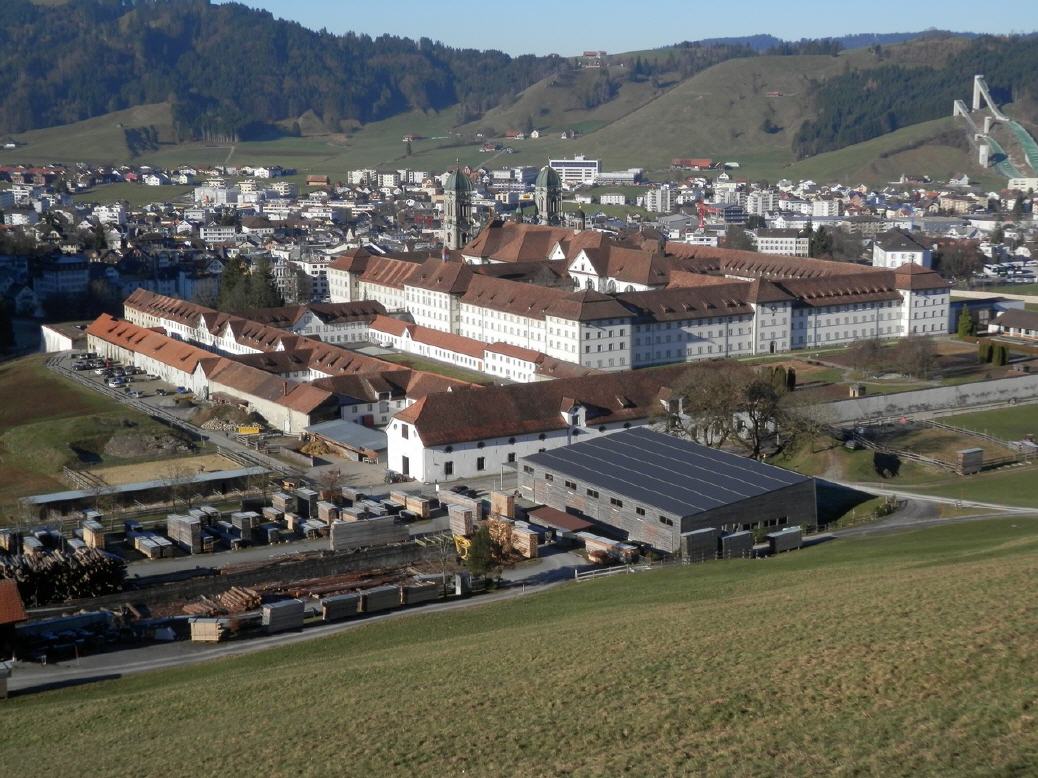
[(458, 182), (548, 178)]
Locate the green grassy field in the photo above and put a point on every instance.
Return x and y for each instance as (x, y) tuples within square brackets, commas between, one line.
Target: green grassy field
[(41, 419), (1006, 423), (1013, 289), (135, 195), (908, 655)]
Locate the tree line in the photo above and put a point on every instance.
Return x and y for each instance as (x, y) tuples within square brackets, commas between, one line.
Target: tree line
[(229, 70)]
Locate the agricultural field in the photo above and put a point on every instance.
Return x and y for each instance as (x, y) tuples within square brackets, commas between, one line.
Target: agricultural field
[(148, 471), (906, 655), (47, 423)]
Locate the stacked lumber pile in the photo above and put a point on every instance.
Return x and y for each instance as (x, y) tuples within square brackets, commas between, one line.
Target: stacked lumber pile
[(525, 541), (614, 549), (327, 511), (468, 503), (502, 504), (58, 576), (340, 606), (286, 503), (208, 630), (381, 531), (381, 598), (93, 534), (412, 594), (461, 521), (699, 545), (284, 615), (185, 531)]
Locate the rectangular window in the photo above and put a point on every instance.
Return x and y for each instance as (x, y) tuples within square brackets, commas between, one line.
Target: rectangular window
[(481, 463), (527, 469), (615, 502), (592, 493), (640, 511), (511, 456), (404, 431), (448, 468), (571, 485), (548, 476)]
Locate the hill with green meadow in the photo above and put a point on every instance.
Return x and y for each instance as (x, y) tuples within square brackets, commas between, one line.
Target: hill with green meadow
[(904, 655), (191, 81)]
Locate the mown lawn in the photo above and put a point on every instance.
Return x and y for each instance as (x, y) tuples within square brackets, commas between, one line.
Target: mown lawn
[(907, 655), (1006, 423)]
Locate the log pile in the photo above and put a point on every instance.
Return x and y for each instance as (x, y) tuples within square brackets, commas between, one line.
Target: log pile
[(235, 600), (58, 576)]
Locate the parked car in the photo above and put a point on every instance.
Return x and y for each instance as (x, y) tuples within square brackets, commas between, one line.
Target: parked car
[(183, 390), (161, 392), (136, 395), (114, 383), (460, 489), (100, 370)]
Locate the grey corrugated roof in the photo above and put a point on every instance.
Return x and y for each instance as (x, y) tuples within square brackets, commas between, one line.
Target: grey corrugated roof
[(351, 433), (78, 494), (663, 472)]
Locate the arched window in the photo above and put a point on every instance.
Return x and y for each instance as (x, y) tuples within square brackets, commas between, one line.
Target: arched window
[(588, 284)]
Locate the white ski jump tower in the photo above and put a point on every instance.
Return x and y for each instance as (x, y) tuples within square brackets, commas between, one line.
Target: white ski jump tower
[(980, 138)]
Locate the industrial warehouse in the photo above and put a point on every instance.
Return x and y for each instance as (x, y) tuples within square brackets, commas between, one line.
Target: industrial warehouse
[(654, 488)]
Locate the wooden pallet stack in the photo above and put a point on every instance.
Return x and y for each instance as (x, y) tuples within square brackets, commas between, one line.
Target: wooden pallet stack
[(286, 503), (94, 534), (469, 503)]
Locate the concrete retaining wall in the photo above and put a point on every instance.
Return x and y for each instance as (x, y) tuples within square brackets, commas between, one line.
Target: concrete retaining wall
[(939, 398)]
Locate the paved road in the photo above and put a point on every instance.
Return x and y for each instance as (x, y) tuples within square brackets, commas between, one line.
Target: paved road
[(528, 578), (958, 503)]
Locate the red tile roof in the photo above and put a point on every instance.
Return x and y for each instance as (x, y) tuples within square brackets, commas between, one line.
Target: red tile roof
[(12, 610)]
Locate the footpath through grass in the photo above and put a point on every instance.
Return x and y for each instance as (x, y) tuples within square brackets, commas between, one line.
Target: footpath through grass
[(906, 655)]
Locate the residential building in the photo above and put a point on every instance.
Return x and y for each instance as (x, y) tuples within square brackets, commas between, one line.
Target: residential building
[(789, 243), (577, 170), (895, 248)]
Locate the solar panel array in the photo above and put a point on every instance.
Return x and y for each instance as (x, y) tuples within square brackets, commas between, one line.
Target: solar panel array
[(661, 471)]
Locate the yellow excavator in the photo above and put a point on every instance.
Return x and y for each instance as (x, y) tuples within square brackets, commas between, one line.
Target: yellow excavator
[(462, 544)]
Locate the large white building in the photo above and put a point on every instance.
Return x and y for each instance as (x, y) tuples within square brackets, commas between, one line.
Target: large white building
[(894, 249), (577, 170), (787, 243)]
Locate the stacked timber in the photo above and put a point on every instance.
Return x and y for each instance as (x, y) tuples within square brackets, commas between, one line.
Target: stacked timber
[(94, 534), (270, 513), (372, 507), (306, 502), (245, 522), (11, 540), (212, 514), (412, 594), (380, 598), (208, 630), (399, 497), (784, 540), (469, 503), (352, 494), (150, 544), (502, 504), (418, 505), (611, 548), (284, 615), (64, 575), (286, 503), (327, 511), (737, 545), (185, 531), (461, 521), (525, 541), (381, 531), (340, 606), (699, 545)]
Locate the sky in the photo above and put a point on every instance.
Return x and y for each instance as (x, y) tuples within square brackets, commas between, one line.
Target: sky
[(568, 27)]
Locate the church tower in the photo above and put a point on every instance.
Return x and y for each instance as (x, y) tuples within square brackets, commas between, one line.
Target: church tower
[(457, 210), (547, 195)]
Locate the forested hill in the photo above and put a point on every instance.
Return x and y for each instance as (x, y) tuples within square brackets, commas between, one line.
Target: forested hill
[(862, 104), (227, 69)]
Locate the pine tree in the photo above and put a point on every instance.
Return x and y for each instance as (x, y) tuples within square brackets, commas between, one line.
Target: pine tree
[(967, 327)]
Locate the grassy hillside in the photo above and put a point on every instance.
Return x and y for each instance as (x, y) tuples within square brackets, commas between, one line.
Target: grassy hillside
[(724, 112), (100, 140), (906, 655)]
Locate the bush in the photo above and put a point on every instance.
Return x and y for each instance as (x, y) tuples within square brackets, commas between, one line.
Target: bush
[(984, 351)]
